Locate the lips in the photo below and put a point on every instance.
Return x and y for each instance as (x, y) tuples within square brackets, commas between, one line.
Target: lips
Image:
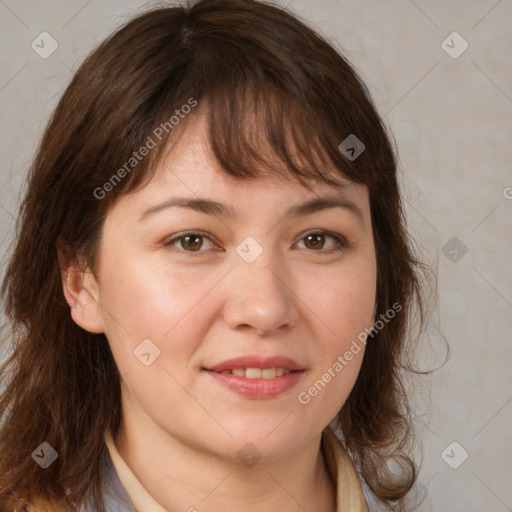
[(257, 377), (254, 363)]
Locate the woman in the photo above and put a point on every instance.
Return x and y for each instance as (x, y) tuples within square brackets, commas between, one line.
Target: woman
[(211, 282)]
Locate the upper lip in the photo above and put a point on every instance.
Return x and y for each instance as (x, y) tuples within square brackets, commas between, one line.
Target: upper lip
[(257, 362)]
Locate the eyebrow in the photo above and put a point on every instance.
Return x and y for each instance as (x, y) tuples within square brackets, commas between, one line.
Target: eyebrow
[(210, 207)]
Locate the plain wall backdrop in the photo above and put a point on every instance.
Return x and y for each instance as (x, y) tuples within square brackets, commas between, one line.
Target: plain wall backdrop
[(440, 73)]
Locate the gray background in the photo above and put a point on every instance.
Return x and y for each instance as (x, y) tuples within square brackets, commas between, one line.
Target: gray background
[(451, 118)]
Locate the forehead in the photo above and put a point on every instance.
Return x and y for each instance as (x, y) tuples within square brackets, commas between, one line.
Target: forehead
[(189, 159), (188, 178)]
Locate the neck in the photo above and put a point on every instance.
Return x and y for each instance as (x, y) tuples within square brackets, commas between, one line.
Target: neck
[(205, 481)]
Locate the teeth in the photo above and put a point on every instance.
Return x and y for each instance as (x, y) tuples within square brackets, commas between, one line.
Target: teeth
[(269, 373), (258, 373), (253, 373)]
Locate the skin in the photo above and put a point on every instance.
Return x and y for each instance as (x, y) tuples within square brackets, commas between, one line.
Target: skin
[(181, 429)]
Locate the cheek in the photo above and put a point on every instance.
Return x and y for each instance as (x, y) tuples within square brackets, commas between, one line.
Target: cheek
[(343, 305), (344, 300), (142, 301)]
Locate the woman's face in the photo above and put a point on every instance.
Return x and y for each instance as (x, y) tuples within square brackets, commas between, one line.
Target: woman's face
[(246, 271)]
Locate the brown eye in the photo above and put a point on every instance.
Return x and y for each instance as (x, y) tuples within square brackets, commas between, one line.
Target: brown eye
[(317, 241), (192, 242), (188, 242)]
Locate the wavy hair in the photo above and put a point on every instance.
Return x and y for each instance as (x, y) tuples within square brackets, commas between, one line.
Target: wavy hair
[(245, 63)]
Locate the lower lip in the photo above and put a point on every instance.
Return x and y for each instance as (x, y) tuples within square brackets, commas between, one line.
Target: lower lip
[(258, 388)]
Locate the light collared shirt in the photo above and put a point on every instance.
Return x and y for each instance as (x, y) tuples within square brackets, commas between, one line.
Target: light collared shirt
[(125, 493)]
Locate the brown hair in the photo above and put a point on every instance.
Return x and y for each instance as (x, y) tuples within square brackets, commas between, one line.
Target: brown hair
[(242, 62)]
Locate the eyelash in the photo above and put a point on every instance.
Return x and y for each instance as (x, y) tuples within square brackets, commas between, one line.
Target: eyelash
[(341, 240)]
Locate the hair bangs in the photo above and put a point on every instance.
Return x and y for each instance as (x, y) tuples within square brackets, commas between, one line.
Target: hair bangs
[(265, 133)]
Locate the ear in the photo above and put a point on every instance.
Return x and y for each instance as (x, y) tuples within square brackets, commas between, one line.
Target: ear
[(80, 290)]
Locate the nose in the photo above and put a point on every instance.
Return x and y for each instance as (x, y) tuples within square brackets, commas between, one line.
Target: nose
[(260, 297)]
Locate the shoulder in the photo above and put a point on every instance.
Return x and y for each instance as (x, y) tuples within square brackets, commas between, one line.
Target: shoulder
[(374, 503), (115, 497), (347, 476)]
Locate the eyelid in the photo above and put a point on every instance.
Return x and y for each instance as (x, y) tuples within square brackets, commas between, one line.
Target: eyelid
[(342, 241)]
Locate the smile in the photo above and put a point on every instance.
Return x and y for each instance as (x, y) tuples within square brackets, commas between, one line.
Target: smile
[(257, 383), (257, 373)]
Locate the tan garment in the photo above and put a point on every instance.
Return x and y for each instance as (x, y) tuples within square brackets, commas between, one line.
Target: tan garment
[(349, 492)]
